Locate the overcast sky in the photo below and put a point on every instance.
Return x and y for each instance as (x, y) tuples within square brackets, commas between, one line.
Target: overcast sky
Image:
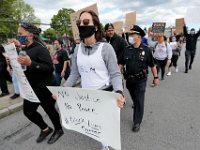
[(148, 11)]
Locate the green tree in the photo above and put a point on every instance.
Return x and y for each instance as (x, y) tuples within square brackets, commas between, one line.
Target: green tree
[(61, 21), (51, 34), (24, 12), (13, 12)]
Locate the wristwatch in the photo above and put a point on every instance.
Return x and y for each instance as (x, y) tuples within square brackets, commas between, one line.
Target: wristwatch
[(156, 77)]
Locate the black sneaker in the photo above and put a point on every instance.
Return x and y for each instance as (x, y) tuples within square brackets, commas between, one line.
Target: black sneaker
[(136, 127), (43, 135), (186, 71), (14, 96), (55, 136), (4, 94), (190, 67)]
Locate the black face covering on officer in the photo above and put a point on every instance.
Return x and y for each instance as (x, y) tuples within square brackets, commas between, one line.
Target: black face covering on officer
[(86, 31)]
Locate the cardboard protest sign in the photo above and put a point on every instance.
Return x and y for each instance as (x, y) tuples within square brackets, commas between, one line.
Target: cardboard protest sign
[(179, 25), (158, 28), (118, 27), (130, 21), (93, 113), (25, 89), (75, 16)]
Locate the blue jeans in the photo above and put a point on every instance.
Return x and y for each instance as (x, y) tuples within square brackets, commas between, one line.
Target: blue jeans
[(15, 83), (58, 76)]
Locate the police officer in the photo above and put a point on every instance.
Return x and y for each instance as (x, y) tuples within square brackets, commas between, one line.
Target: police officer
[(136, 58)]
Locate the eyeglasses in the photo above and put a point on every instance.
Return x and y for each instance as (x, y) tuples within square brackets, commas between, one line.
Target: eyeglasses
[(85, 22)]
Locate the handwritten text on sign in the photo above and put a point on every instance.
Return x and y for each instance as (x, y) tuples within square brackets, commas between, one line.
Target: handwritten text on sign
[(25, 89), (158, 28), (91, 112)]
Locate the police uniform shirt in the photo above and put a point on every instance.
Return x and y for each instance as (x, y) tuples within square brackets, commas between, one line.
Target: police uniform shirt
[(137, 59)]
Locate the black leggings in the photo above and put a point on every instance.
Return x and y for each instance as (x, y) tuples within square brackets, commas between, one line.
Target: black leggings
[(161, 65), (174, 60), (48, 104)]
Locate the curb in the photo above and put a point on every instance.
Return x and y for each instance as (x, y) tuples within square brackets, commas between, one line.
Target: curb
[(11, 109)]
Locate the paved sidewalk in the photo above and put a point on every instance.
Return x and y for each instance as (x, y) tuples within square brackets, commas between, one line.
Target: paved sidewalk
[(9, 106)]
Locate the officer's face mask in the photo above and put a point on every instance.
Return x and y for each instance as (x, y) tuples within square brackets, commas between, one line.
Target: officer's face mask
[(131, 40)]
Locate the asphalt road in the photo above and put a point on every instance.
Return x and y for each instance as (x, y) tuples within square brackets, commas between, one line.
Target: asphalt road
[(171, 120)]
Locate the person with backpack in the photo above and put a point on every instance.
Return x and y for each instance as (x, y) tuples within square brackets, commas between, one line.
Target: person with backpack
[(162, 54)]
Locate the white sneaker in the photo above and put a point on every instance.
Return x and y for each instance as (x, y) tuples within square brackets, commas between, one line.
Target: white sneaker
[(176, 70), (169, 74)]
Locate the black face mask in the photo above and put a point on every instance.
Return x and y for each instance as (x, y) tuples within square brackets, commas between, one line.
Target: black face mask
[(86, 31)]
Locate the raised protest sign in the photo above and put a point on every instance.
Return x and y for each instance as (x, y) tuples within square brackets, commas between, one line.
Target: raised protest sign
[(93, 113), (179, 25), (158, 28), (25, 89), (75, 16), (118, 27), (130, 21)]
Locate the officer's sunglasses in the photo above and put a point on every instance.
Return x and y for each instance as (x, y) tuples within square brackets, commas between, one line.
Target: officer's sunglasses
[(85, 22)]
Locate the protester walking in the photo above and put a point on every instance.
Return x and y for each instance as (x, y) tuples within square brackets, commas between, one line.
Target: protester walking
[(176, 49), (39, 73), (61, 62), (95, 61), (191, 42), (162, 54), (4, 74)]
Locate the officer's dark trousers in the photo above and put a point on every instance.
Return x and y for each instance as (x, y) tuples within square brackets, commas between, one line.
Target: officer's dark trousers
[(189, 58), (48, 104), (137, 91), (161, 64)]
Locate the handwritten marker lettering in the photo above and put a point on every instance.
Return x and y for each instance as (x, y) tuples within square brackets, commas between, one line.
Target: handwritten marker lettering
[(63, 94)]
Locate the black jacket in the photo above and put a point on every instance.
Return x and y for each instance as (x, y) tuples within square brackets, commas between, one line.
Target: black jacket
[(118, 44), (191, 40), (40, 73), (137, 59)]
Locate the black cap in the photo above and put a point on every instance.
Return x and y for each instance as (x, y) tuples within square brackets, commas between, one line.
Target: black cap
[(192, 29), (137, 30), (108, 25)]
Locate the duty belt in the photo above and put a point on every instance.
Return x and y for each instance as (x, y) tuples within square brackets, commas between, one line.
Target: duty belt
[(139, 76)]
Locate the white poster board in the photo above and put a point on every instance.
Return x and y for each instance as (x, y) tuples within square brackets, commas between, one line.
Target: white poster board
[(25, 89), (91, 112)]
